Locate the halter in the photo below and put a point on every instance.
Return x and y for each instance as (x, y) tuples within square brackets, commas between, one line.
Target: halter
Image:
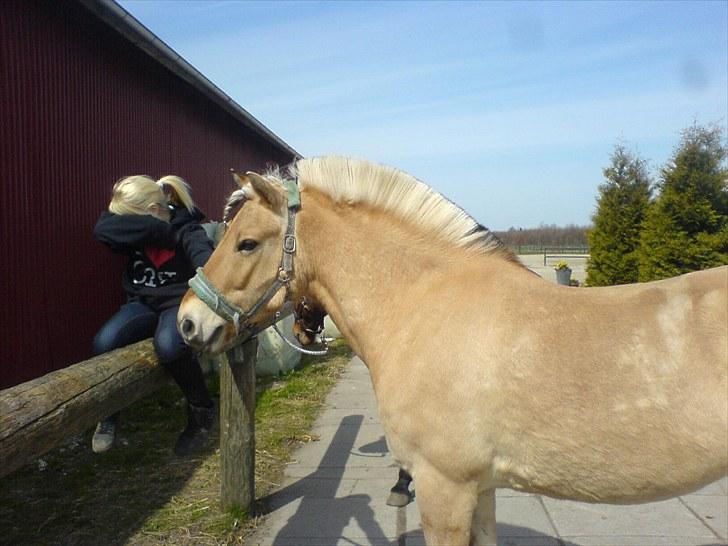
[(214, 299)]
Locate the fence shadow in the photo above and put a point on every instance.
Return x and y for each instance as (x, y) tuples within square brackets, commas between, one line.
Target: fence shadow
[(314, 516)]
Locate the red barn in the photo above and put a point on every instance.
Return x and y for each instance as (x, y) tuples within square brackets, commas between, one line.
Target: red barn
[(88, 95)]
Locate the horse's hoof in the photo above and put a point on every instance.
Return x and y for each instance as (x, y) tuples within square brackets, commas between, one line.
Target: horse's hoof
[(399, 499)]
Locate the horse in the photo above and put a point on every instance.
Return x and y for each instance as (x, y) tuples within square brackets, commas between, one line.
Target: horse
[(486, 376)]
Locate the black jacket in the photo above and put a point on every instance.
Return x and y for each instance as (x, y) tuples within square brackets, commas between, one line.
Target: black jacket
[(163, 256)]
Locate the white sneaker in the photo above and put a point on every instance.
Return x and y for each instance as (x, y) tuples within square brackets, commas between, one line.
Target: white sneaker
[(104, 436)]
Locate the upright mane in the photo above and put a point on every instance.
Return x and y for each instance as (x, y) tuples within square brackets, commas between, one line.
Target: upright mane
[(354, 181)]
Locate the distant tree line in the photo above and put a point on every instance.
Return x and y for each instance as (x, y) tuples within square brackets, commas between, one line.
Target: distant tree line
[(545, 235), (645, 230)]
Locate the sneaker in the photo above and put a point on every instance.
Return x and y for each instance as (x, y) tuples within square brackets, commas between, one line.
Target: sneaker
[(104, 435), (200, 422)]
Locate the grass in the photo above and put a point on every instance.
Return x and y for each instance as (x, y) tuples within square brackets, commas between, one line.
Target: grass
[(140, 493)]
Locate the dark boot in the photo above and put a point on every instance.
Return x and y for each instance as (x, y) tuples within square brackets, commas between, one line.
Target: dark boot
[(200, 421), (400, 494)]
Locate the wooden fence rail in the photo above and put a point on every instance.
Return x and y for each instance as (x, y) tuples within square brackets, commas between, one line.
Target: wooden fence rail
[(39, 415), (563, 252)]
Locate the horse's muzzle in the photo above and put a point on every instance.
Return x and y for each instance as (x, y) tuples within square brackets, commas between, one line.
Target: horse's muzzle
[(194, 335)]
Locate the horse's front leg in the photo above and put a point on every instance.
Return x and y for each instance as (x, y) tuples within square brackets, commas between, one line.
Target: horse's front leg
[(446, 508), (484, 531)]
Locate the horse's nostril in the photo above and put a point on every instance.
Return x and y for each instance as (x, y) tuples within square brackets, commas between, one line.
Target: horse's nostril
[(188, 328)]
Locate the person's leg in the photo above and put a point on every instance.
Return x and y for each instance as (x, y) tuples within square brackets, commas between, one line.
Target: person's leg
[(132, 323), (178, 360), (400, 494)]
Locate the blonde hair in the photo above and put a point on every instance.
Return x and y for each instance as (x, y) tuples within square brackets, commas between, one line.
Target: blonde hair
[(134, 194), (179, 191)]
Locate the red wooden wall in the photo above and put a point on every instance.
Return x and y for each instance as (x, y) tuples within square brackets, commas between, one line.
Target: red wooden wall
[(80, 107)]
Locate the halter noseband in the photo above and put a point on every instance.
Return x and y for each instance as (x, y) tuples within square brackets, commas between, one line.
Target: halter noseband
[(213, 298)]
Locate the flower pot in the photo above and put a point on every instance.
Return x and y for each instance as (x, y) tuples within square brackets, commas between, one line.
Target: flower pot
[(563, 276)]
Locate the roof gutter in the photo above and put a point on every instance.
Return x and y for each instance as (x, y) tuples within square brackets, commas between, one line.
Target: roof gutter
[(123, 22)]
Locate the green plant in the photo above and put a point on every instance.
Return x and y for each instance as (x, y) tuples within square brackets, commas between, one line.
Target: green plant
[(562, 265), (622, 204), (686, 229)]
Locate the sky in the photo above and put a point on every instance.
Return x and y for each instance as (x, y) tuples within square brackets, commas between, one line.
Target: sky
[(509, 109)]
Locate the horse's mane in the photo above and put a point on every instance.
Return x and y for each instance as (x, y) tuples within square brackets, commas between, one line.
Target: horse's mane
[(355, 181)]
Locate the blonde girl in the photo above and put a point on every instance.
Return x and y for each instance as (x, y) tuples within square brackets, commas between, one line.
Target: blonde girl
[(156, 224)]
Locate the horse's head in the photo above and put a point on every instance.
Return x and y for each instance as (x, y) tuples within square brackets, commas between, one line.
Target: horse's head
[(309, 321), (245, 280)]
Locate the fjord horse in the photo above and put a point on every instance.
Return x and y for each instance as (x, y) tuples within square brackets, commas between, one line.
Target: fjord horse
[(486, 376)]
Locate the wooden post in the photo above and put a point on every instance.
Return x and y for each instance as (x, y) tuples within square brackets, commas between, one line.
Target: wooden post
[(237, 427)]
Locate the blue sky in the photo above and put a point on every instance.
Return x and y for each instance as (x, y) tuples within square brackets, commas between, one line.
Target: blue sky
[(510, 109)]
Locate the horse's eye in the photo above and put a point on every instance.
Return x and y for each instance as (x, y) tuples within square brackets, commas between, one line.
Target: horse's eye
[(247, 245)]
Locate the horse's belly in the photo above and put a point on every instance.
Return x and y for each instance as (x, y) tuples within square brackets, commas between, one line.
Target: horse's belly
[(610, 476)]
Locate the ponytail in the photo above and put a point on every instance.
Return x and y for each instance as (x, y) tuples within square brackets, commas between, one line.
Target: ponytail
[(178, 190)]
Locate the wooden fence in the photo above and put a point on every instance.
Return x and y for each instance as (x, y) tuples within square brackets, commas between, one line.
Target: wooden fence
[(562, 252), (39, 415), (543, 249)]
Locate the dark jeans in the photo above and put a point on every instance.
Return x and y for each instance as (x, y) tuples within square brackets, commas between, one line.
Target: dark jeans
[(135, 322)]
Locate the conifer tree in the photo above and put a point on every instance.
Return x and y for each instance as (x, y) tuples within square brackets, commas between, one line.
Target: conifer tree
[(621, 206), (687, 227)]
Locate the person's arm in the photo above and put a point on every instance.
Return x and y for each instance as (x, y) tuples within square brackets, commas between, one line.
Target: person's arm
[(126, 232), (197, 245)]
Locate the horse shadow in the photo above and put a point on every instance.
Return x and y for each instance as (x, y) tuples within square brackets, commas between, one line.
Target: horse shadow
[(377, 448)]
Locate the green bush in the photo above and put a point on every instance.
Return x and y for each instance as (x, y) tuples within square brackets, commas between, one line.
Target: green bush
[(621, 206), (686, 228)]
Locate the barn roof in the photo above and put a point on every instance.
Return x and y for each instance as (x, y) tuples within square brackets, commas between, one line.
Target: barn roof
[(123, 22)]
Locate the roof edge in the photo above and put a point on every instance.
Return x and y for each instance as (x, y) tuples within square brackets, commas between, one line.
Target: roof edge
[(126, 24)]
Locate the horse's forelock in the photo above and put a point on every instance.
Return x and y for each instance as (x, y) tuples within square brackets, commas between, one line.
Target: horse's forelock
[(235, 201)]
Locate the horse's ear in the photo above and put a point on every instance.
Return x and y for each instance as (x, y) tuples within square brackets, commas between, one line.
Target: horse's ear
[(240, 180), (265, 189)]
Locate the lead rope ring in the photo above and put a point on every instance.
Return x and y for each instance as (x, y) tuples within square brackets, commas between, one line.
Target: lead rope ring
[(298, 348)]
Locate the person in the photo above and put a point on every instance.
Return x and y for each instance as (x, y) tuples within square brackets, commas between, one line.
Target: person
[(156, 224), (400, 495)]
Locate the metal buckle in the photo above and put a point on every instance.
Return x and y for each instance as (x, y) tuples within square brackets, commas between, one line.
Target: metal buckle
[(289, 244)]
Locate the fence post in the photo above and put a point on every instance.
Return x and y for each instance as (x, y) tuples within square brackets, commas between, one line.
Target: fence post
[(237, 427)]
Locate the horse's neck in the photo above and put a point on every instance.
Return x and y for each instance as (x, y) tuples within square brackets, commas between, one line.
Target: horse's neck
[(359, 265)]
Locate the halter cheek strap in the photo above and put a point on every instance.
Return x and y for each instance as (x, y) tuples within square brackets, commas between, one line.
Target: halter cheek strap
[(214, 299), (207, 292)]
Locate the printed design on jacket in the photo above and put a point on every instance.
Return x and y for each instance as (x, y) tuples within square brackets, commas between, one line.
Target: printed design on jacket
[(144, 274)]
